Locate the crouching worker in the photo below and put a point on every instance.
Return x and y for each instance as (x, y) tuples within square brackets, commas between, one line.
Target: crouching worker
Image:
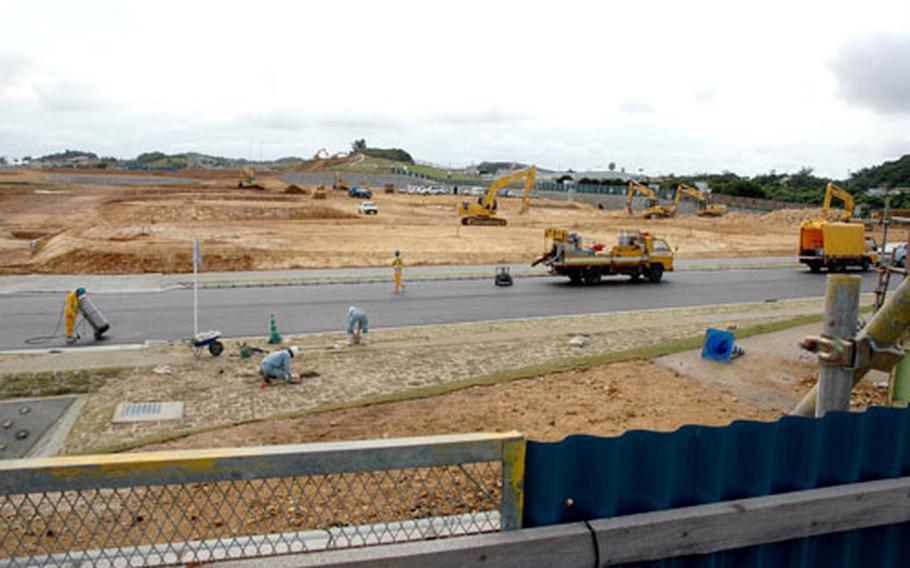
[(277, 365), (357, 326)]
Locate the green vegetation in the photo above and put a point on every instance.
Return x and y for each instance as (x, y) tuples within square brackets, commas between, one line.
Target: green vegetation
[(159, 160), (68, 155), (393, 154), (805, 187)]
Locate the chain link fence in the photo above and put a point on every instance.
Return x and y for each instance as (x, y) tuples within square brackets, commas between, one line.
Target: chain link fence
[(201, 506)]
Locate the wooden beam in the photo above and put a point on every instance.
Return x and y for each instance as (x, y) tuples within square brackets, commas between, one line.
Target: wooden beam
[(647, 536), (760, 520), (562, 546)]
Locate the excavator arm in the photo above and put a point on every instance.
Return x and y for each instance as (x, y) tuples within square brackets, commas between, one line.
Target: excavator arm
[(834, 191), (526, 196), (683, 190), (635, 187), (527, 174)]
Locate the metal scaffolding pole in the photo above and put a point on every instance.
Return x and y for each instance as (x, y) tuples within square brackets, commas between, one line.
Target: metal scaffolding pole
[(877, 346)]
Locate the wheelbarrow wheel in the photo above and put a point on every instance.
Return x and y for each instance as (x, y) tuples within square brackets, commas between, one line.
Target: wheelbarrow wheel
[(215, 348)]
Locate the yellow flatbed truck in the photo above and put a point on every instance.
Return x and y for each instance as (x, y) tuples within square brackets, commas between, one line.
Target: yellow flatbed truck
[(638, 254)]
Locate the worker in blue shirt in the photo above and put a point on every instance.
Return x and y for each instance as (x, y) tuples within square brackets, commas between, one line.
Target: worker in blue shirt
[(277, 365), (357, 326)]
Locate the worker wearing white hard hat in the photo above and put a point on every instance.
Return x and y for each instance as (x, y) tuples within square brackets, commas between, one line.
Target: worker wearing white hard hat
[(277, 365), (357, 326)]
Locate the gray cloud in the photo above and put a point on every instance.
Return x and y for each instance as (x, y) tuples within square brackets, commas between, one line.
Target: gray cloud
[(636, 107), (70, 96), (488, 116), (12, 68), (292, 120), (874, 72)]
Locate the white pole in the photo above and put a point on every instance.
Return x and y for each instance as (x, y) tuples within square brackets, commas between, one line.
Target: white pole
[(196, 288)]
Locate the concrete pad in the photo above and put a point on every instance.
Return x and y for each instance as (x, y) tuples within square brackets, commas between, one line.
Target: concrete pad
[(771, 375), (25, 422)]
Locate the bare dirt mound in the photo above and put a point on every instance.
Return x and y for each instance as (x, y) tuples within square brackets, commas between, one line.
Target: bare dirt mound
[(157, 259), (229, 211)]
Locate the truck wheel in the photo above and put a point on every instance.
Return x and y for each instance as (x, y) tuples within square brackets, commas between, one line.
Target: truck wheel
[(656, 273), (865, 265), (635, 276), (592, 275), (575, 276), (815, 266)]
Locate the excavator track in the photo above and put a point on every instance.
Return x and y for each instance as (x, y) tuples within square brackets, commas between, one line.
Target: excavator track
[(484, 221)]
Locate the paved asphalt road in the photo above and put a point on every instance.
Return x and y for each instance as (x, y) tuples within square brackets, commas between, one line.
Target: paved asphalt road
[(239, 312)]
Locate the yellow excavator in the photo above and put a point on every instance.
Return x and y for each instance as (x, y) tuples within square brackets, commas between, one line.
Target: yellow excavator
[(703, 207), (340, 184), (248, 179), (483, 212), (654, 208)]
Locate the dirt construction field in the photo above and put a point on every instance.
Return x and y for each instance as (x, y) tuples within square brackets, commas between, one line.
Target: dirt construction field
[(119, 228)]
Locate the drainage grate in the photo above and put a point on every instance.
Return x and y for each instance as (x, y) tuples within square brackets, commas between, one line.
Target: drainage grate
[(148, 411)]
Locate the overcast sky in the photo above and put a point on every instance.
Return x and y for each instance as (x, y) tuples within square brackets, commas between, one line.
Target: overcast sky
[(678, 87)]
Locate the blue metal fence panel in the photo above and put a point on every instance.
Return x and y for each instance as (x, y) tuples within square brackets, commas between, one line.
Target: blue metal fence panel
[(588, 477)]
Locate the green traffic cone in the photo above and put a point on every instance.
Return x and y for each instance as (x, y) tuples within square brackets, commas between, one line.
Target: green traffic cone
[(274, 335)]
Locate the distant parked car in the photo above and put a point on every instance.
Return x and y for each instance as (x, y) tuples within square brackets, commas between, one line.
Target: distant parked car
[(368, 208), (361, 192)]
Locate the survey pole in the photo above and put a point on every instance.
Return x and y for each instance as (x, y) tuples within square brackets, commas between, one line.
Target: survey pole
[(197, 258)]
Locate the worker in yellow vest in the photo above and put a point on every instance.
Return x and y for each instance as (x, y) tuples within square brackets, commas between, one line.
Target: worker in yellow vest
[(71, 312), (398, 265)]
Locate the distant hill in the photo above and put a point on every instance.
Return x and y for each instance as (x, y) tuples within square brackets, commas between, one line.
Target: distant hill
[(493, 167), (889, 175), (68, 155)]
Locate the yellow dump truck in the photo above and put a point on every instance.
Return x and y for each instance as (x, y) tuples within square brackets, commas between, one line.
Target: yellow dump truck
[(638, 254), (835, 246)]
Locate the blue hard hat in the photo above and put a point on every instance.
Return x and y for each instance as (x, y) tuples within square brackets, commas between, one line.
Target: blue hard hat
[(397, 252), (80, 291)]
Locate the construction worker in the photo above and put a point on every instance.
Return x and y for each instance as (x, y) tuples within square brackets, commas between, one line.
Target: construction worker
[(398, 265), (71, 312), (358, 326), (277, 365)]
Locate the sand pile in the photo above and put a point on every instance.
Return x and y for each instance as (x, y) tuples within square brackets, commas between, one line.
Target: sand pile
[(792, 216), (233, 212)]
